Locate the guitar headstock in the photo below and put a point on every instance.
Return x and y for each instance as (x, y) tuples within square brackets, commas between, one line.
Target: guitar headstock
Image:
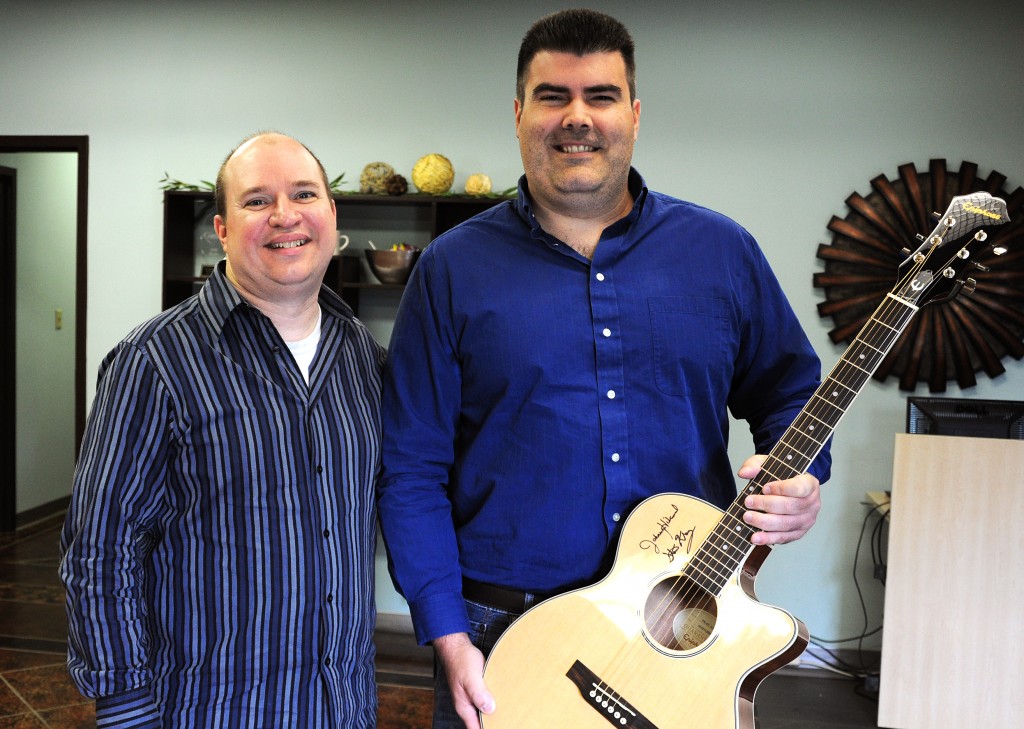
[(937, 270)]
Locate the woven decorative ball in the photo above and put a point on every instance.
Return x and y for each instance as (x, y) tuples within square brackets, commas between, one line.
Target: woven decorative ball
[(478, 184), (375, 177), (396, 185), (433, 174)]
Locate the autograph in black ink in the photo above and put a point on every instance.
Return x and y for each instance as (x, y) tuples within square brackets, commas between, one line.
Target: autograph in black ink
[(671, 542)]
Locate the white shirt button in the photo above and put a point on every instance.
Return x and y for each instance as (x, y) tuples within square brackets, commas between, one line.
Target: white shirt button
[(615, 457), (606, 332), (611, 394), (616, 517), (600, 277)]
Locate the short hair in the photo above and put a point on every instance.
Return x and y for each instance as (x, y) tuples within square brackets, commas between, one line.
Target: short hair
[(579, 31), (219, 188)]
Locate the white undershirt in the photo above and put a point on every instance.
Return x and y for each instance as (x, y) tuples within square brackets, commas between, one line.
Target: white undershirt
[(304, 349)]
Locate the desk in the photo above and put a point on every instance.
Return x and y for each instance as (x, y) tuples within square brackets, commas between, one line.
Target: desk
[(951, 647)]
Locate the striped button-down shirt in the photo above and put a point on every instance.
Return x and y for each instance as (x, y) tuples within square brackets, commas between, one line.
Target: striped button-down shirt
[(218, 551)]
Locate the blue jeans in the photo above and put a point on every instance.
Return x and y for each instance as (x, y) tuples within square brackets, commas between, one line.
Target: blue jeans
[(486, 626)]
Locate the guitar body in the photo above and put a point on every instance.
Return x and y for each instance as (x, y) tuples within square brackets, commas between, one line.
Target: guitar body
[(640, 649)]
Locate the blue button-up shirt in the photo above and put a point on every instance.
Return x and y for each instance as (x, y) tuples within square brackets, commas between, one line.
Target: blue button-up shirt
[(218, 551), (533, 397)]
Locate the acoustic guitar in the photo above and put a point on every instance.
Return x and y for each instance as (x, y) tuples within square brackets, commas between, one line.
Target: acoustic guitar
[(674, 636)]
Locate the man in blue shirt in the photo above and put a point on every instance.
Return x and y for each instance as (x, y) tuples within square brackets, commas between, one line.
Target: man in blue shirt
[(218, 551), (561, 357)]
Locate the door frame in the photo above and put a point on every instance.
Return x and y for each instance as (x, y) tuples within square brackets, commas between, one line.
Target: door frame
[(16, 144), (8, 333)]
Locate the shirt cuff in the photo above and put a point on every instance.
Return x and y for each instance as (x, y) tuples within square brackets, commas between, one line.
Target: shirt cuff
[(134, 709), (440, 614)]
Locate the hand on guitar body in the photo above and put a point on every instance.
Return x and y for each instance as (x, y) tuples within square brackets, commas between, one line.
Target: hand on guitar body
[(785, 510)]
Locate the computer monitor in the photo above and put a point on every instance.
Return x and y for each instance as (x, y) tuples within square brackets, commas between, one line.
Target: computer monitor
[(966, 417)]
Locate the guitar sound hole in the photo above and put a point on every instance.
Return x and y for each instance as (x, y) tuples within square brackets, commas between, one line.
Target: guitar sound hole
[(680, 615)]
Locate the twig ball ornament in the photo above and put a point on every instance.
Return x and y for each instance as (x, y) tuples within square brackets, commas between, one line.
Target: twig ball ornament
[(375, 177), (396, 185), (478, 184), (433, 174)]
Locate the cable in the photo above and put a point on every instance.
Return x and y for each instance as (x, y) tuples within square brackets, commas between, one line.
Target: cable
[(834, 663)]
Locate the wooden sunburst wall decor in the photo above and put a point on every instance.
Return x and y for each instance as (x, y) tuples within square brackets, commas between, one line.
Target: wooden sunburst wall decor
[(952, 340)]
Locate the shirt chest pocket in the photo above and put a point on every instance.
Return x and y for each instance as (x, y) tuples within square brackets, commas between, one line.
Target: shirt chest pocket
[(689, 340)]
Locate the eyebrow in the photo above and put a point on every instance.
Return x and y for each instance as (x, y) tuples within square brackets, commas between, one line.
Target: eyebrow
[(598, 89)]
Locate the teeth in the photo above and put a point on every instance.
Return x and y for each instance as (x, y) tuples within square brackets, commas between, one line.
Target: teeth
[(290, 244), (573, 148)]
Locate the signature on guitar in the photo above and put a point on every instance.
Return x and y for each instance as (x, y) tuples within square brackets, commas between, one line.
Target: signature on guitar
[(682, 539)]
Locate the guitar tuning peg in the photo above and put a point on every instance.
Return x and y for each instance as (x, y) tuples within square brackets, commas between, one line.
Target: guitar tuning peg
[(936, 216), (969, 286), (920, 237), (999, 250), (906, 251), (981, 267)]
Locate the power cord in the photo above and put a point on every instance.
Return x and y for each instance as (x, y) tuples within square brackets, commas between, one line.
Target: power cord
[(866, 674)]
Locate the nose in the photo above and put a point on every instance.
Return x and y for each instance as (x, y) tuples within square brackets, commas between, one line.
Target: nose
[(284, 213), (577, 115)]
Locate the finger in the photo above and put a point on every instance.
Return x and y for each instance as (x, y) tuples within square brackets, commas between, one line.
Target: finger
[(751, 466)]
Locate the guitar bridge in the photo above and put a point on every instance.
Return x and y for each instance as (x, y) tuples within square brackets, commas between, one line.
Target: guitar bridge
[(605, 701)]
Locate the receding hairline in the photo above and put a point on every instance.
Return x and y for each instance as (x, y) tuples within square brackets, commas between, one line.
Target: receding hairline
[(219, 195)]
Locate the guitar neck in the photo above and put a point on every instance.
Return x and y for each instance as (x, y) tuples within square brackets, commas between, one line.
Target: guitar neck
[(725, 550)]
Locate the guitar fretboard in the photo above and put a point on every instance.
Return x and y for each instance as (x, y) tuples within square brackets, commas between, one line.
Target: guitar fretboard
[(725, 550)]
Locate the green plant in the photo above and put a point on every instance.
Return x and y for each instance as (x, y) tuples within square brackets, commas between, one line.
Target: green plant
[(169, 183)]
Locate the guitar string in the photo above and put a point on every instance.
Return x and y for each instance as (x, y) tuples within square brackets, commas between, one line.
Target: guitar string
[(723, 537), (731, 535), (890, 318), (714, 559)]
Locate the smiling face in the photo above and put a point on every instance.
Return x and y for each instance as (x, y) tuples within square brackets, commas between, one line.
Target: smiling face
[(278, 229), (576, 127)]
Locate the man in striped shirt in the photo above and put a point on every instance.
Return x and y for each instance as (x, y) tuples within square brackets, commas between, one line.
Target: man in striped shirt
[(218, 551)]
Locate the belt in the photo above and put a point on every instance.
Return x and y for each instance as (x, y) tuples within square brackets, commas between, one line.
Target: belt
[(502, 598)]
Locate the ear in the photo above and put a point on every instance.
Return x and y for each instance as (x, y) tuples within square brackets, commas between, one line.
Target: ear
[(518, 108), (636, 118), (222, 230)]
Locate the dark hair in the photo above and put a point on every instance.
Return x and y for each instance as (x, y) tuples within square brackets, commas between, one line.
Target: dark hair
[(219, 189), (579, 31)]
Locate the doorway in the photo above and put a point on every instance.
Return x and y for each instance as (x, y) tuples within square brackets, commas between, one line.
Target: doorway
[(9, 517)]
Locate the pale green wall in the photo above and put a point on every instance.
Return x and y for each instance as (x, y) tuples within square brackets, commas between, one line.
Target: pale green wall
[(772, 112), (45, 361)]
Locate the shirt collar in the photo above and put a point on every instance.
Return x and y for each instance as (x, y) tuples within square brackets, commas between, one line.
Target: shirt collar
[(637, 189), (219, 299)]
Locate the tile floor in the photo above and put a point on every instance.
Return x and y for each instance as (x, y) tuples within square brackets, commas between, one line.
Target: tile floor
[(35, 691)]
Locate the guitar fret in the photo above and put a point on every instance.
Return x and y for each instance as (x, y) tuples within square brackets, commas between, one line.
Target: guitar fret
[(719, 557), (728, 545), (723, 552)]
